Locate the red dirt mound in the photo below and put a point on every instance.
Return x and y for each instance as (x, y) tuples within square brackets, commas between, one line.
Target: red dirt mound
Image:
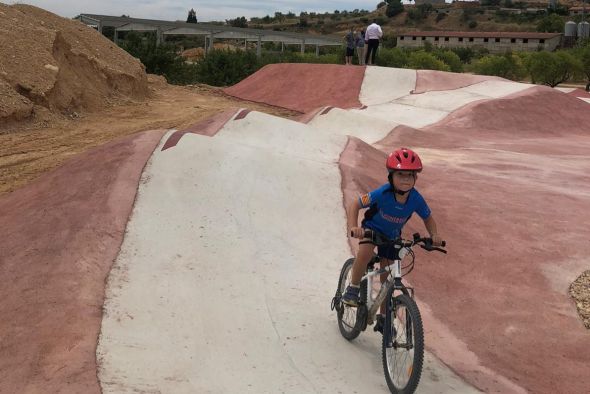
[(302, 87), (55, 63), (427, 80), (508, 181), (58, 243)]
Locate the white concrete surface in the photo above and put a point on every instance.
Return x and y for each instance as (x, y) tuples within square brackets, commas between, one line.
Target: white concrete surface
[(355, 123), (447, 101), (283, 136), (585, 99), (565, 90), (231, 258), (403, 114), (496, 89), (385, 84)]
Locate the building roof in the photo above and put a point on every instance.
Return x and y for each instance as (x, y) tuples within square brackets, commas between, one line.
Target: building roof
[(218, 31), (480, 34)]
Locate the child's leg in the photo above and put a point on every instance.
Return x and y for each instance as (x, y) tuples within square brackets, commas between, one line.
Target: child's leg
[(384, 263), (364, 255)]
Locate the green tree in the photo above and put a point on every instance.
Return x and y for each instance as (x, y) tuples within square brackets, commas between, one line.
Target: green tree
[(192, 16), (421, 60), (552, 68), (238, 22), (158, 59), (394, 8), (389, 40), (450, 58), (507, 66), (420, 12), (550, 24), (226, 67), (583, 55)]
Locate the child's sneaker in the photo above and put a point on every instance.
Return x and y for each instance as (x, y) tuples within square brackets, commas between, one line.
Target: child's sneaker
[(351, 295)]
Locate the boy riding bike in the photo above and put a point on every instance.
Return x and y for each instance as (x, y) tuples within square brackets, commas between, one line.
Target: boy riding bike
[(390, 207)]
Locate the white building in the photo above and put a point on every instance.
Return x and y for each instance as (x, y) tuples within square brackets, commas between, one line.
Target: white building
[(495, 42)]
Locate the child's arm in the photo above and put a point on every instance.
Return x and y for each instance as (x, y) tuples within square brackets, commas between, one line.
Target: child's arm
[(430, 225), (353, 218)]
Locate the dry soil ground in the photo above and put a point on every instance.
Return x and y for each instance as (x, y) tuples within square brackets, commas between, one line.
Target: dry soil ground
[(27, 150)]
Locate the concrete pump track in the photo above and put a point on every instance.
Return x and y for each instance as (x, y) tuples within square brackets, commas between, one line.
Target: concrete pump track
[(204, 260)]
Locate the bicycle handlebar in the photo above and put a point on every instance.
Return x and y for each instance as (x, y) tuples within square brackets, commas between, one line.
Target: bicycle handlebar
[(424, 242)]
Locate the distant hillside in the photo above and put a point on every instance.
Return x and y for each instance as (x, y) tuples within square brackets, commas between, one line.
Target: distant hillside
[(508, 15)]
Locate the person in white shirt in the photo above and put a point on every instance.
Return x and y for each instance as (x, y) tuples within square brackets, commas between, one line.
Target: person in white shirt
[(372, 37)]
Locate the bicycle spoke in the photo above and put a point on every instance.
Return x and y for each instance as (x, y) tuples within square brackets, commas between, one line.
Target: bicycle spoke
[(402, 365)]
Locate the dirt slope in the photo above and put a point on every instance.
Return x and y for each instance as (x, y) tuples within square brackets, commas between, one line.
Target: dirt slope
[(52, 64)]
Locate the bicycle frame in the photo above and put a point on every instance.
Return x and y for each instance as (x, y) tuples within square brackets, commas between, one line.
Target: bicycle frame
[(394, 280)]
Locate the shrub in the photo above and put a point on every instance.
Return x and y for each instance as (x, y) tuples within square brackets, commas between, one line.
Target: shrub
[(226, 67), (552, 68), (392, 57), (472, 24), (506, 66), (551, 24), (583, 55), (440, 16), (389, 41), (421, 60), (159, 59), (394, 8), (468, 54), (450, 58)]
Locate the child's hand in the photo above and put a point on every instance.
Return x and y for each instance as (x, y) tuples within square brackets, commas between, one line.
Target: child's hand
[(357, 232)]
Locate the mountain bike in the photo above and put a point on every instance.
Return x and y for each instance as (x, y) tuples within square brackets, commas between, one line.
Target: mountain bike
[(403, 335)]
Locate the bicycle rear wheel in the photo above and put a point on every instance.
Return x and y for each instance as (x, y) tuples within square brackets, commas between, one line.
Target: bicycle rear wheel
[(403, 344), (347, 315)]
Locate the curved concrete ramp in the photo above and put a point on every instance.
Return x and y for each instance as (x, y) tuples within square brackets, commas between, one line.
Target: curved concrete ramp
[(232, 251), (220, 269), (384, 84)]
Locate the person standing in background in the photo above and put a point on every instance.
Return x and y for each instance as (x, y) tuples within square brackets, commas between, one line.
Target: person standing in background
[(350, 46), (372, 37), (360, 47)]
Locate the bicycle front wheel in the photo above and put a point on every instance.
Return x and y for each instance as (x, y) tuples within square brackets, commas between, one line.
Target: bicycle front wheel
[(403, 344)]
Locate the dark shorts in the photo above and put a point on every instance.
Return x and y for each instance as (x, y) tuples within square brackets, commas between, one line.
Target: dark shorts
[(389, 252), (349, 51)]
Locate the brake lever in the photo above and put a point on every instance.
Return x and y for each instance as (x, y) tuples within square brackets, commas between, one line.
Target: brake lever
[(430, 248)]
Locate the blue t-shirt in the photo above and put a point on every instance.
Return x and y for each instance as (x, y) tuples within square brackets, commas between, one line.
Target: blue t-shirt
[(386, 215)]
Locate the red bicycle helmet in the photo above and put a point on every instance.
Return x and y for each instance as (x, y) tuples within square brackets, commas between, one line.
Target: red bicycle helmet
[(403, 159)]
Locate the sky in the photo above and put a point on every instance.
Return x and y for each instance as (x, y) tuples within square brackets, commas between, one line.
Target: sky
[(208, 10)]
